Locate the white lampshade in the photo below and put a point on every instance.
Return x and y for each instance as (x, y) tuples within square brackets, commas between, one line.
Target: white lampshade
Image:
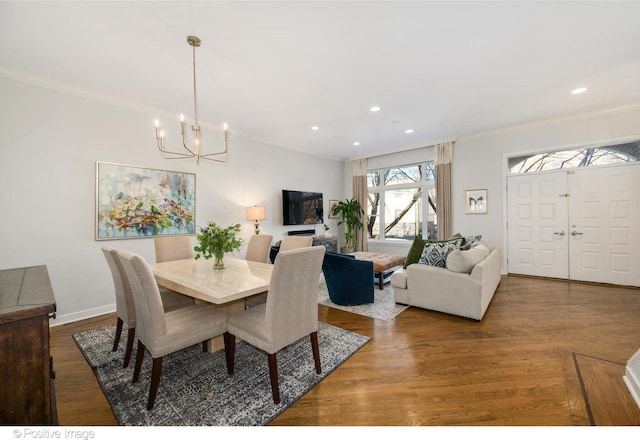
[(256, 213)]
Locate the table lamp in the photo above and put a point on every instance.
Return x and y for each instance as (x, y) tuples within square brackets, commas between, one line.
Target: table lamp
[(256, 213)]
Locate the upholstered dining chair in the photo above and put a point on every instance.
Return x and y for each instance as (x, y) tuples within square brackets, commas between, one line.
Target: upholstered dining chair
[(125, 307), (173, 248), (258, 248), (163, 332), (289, 242), (290, 313)]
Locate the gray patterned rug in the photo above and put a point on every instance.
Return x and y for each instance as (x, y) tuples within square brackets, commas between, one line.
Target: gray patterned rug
[(195, 389), (383, 307)]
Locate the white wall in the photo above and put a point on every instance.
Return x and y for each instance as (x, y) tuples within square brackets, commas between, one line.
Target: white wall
[(50, 141), (480, 161)]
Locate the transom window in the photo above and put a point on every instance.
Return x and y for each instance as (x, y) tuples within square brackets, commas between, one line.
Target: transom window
[(402, 202), (580, 157)]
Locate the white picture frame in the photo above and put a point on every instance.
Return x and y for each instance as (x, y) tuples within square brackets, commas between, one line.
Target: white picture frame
[(476, 201)]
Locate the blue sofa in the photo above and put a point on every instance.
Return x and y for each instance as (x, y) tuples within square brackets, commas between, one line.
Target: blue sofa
[(349, 281)]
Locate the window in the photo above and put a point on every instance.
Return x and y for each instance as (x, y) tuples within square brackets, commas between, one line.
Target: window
[(402, 202), (581, 157)]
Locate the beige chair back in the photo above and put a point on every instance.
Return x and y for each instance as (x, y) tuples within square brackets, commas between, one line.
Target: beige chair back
[(290, 242), (258, 248), (178, 247), (125, 307), (146, 296), (292, 302)]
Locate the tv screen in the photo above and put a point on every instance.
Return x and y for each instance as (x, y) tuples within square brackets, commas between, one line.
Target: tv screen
[(301, 207)]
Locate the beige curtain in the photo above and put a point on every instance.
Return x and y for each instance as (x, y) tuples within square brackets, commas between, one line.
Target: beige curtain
[(360, 193), (444, 154)]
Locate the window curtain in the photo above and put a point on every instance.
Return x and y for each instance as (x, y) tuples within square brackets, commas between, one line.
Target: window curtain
[(360, 193), (444, 153)]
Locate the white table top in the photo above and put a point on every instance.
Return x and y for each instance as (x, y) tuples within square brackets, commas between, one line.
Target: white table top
[(196, 278)]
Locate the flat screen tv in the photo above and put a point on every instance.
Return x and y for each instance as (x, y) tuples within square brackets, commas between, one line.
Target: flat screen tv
[(301, 207)]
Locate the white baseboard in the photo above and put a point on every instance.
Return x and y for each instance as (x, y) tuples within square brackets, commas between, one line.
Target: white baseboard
[(72, 317), (632, 377)]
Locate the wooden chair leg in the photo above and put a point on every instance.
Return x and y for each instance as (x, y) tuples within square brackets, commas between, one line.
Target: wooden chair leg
[(316, 351), (204, 346), (139, 357), (116, 340), (156, 371), (273, 373), (131, 334), (230, 350)]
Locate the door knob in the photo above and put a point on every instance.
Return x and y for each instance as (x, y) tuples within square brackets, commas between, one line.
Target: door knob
[(575, 233), (561, 233)]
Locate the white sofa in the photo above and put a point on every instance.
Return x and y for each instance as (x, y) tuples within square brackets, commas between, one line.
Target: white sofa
[(464, 287)]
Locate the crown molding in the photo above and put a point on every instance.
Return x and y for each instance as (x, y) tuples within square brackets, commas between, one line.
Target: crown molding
[(549, 122), (88, 94)]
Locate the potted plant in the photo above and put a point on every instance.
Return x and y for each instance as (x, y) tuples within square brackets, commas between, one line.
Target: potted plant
[(351, 213), (214, 241), (326, 232)]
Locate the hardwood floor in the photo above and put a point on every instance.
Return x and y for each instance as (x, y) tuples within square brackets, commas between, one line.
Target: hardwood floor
[(547, 353)]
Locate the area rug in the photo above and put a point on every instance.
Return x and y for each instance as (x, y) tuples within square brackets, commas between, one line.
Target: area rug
[(383, 307), (195, 388)]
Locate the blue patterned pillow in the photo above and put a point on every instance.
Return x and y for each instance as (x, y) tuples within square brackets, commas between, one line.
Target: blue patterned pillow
[(470, 241), (435, 254)]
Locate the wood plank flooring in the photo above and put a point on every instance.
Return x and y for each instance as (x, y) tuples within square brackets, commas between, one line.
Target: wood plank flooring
[(547, 353)]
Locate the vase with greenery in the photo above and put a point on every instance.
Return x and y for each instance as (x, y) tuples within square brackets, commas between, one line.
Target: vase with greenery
[(350, 211), (214, 241)]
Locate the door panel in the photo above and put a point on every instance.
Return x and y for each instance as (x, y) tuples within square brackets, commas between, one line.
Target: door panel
[(537, 224), (604, 219)]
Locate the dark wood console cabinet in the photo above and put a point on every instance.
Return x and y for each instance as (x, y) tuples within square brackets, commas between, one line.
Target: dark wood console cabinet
[(26, 367)]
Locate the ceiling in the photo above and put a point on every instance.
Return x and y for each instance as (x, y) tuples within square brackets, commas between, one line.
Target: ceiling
[(272, 70)]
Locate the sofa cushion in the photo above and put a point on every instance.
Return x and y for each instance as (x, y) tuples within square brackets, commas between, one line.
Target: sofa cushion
[(415, 251), (435, 253), (463, 261)]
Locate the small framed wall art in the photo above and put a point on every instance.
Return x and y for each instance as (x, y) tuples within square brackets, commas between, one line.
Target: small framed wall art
[(332, 203), (137, 202), (475, 201)]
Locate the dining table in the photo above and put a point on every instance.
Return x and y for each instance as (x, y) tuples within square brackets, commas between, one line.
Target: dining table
[(224, 288)]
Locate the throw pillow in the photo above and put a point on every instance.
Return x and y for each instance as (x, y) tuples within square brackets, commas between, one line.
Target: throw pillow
[(435, 254), (488, 244), (471, 240), (415, 252), (464, 261)]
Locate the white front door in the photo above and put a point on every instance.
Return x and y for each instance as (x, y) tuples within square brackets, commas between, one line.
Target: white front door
[(537, 224), (582, 224), (604, 225)]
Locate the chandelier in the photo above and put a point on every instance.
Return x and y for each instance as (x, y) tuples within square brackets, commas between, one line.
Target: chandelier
[(193, 151)]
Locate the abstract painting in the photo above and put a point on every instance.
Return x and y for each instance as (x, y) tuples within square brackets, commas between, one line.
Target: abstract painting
[(137, 202)]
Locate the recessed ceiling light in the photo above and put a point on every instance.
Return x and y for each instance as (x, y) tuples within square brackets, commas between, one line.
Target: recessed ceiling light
[(409, 130), (356, 143), (315, 128), (578, 90), (375, 108)]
